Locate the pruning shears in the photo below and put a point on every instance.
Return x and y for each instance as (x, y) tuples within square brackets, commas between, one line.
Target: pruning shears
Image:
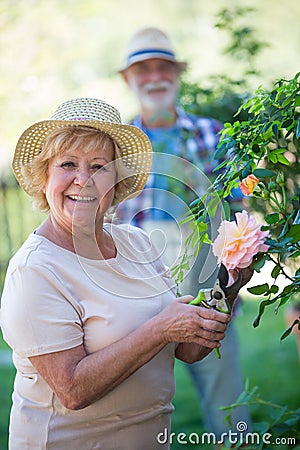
[(217, 297)]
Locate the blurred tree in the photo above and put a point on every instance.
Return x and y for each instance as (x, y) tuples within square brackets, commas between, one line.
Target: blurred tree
[(224, 94), (244, 44)]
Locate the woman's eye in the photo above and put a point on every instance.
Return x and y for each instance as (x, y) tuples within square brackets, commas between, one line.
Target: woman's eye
[(99, 167), (67, 164)]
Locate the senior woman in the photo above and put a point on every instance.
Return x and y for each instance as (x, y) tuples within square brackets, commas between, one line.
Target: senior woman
[(88, 307)]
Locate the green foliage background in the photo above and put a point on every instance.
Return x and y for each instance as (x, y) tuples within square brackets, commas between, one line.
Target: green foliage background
[(54, 50)]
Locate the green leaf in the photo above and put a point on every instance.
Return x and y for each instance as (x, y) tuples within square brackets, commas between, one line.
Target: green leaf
[(283, 160), (201, 226), (287, 289), (212, 206), (297, 101), (188, 219), (274, 289), (175, 269), (278, 151), (206, 239), (288, 101), (263, 173), (221, 151), (294, 232), (272, 218), (224, 163), (290, 329), (284, 231), (226, 210), (266, 127), (195, 239), (262, 307), (230, 144), (287, 123), (275, 129), (195, 202), (255, 148), (247, 170), (297, 218), (275, 272), (259, 289), (257, 265), (273, 158), (298, 129), (283, 301)]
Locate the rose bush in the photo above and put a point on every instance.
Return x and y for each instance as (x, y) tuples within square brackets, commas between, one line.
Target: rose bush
[(261, 156)]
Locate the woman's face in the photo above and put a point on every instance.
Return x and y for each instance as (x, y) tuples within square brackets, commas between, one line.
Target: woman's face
[(80, 186)]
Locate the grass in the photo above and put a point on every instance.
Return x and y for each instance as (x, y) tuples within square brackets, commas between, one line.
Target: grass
[(266, 362)]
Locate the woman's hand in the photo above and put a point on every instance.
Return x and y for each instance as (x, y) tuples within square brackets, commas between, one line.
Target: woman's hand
[(188, 324)]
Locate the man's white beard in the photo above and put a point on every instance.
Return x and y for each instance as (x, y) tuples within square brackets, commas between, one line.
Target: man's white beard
[(157, 101)]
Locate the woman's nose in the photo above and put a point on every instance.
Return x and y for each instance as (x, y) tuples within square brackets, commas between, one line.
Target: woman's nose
[(83, 177)]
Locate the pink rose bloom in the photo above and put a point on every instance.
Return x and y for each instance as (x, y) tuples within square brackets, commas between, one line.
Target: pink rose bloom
[(238, 242)]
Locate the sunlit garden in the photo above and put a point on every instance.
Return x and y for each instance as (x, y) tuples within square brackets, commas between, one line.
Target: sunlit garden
[(249, 79)]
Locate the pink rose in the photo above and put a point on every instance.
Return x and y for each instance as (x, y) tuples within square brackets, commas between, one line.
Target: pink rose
[(238, 242), (248, 184)]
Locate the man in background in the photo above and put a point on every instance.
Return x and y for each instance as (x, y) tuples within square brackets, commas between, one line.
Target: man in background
[(183, 163)]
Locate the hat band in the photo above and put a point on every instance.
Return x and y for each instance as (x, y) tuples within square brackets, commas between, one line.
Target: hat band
[(151, 52)]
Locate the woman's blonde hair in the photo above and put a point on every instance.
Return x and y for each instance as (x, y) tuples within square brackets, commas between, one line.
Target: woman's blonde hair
[(58, 142)]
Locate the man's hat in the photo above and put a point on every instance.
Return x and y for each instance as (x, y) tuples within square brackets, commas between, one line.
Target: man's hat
[(150, 43)]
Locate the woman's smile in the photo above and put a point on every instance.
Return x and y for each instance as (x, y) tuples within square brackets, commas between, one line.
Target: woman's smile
[(79, 198), (80, 186)]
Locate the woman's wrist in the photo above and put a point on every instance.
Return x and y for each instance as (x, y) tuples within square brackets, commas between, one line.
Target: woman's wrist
[(156, 327)]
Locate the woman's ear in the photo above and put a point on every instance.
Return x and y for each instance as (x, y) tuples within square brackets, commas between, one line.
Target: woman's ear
[(44, 188)]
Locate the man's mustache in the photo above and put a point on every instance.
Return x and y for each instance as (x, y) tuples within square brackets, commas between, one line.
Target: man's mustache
[(148, 87)]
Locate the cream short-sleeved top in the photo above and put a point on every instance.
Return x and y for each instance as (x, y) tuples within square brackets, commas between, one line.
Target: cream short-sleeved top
[(55, 300)]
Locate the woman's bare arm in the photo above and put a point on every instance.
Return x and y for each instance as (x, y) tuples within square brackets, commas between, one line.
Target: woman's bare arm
[(79, 379)]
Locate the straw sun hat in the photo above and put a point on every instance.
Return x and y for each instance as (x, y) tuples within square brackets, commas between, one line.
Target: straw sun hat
[(150, 43), (135, 146)]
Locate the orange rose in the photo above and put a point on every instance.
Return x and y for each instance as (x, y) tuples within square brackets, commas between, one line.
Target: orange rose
[(248, 184)]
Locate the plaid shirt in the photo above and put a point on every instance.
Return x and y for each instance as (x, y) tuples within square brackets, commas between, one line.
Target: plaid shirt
[(197, 141)]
